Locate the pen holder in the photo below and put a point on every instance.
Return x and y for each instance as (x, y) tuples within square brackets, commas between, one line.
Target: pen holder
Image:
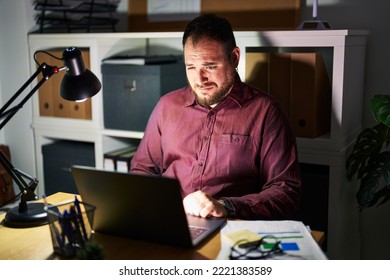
[(70, 226)]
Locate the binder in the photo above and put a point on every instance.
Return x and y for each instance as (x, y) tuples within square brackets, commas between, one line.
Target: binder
[(79, 110), (279, 79), (61, 106), (311, 94), (110, 158), (46, 102), (256, 69), (123, 161), (299, 81)]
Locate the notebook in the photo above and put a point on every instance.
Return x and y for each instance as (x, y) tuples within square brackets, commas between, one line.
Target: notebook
[(141, 207)]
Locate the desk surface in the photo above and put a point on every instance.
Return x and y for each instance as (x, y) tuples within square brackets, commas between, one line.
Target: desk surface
[(35, 243)]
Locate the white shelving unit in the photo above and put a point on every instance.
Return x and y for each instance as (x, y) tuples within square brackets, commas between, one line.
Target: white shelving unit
[(347, 74)]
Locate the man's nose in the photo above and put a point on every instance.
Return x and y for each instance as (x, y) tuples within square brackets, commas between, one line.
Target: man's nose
[(202, 76)]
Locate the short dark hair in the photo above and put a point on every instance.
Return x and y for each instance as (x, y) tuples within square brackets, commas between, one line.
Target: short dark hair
[(213, 27)]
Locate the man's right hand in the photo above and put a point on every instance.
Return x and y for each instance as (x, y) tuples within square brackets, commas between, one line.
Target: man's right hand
[(201, 204)]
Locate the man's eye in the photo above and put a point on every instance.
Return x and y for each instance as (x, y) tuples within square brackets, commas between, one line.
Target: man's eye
[(190, 68), (211, 67)]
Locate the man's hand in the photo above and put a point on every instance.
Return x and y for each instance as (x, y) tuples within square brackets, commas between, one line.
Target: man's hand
[(201, 204)]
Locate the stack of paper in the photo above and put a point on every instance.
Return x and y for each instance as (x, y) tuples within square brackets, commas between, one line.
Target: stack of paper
[(295, 238)]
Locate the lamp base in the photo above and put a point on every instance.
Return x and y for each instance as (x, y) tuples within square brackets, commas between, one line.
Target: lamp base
[(35, 215), (314, 25)]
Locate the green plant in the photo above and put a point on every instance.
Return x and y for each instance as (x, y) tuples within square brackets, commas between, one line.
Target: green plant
[(370, 157)]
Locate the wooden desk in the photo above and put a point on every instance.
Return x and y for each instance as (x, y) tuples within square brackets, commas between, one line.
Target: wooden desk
[(35, 243)]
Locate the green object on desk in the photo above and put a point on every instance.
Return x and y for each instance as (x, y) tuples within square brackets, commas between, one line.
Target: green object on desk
[(92, 251)]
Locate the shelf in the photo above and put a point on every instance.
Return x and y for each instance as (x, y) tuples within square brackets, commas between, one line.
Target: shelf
[(73, 15), (345, 52), (83, 7)]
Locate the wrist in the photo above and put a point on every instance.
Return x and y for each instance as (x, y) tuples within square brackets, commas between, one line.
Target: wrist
[(228, 207)]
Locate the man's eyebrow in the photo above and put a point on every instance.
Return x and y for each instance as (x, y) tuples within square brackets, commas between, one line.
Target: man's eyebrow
[(203, 64)]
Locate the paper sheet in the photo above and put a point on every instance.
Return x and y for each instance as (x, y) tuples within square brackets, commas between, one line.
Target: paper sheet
[(296, 240), (173, 10)]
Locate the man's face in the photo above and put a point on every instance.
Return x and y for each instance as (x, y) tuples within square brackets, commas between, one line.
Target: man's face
[(210, 72)]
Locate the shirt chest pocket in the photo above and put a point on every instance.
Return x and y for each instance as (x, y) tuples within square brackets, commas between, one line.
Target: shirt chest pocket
[(235, 139), (236, 155)]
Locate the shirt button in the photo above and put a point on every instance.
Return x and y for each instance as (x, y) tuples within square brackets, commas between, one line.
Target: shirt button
[(200, 163), (205, 138), (236, 139)]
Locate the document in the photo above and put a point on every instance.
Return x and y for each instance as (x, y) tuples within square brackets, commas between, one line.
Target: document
[(295, 239)]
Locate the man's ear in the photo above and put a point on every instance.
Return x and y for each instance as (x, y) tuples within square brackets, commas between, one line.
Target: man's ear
[(236, 56)]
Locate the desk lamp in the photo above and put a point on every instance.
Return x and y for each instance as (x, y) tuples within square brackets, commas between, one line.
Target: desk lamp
[(314, 24), (78, 84)]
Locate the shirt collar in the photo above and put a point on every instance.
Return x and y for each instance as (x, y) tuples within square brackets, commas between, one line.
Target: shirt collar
[(189, 98), (236, 94)]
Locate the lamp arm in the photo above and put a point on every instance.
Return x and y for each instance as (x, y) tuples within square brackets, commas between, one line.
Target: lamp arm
[(47, 71), (27, 188)]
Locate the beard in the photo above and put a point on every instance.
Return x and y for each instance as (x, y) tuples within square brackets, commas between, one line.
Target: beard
[(210, 99)]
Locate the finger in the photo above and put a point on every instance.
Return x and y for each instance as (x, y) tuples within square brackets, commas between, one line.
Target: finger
[(205, 212), (209, 209)]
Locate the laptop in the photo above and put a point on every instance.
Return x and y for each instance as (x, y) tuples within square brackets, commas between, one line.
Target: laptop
[(143, 207)]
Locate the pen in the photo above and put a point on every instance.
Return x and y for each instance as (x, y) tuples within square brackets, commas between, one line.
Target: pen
[(75, 226), (67, 227), (80, 217)]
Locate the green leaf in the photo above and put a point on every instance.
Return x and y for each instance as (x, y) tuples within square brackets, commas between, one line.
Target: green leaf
[(380, 107), (369, 142), (370, 157), (375, 172)]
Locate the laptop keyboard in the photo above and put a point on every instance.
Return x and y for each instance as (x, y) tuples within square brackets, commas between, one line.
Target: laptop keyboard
[(196, 231)]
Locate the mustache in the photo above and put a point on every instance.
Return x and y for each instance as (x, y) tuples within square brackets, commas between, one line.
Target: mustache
[(204, 85)]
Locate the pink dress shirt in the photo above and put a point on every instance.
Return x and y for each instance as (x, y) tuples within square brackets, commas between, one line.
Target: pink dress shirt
[(242, 150)]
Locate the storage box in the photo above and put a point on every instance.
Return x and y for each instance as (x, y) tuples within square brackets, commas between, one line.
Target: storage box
[(301, 84), (58, 157), (130, 92)]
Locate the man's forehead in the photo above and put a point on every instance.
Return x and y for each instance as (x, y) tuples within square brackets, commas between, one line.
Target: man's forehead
[(203, 47)]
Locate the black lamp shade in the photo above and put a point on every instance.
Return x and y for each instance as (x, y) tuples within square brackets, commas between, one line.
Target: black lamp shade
[(78, 83)]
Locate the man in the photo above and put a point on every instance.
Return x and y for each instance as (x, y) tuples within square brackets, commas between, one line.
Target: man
[(229, 145)]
